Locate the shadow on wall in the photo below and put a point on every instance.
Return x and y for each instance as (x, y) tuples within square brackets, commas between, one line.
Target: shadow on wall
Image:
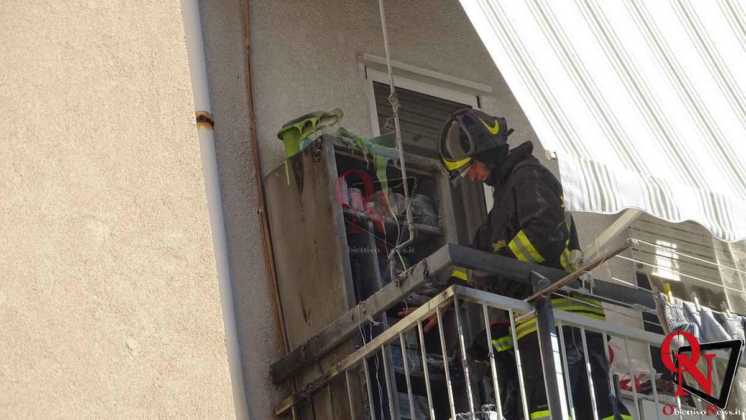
[(227, 72)]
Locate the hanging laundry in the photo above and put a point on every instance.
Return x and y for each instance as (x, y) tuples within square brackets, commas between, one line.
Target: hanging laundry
[(708, 326), (380, 149), (701, 322), (733, 324)]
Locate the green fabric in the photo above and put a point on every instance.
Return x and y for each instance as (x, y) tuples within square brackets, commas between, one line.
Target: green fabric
[(378, 148), (294, 133), (381, 163), (299, 132), (386, 140)]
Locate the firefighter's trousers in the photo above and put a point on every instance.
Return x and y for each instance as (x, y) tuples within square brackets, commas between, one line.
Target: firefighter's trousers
[(533, 378)]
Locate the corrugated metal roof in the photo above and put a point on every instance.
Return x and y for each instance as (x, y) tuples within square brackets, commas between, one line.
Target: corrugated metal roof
[(643, 102)]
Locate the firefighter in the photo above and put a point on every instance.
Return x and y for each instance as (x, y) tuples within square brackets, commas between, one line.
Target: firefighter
[(528, 222)]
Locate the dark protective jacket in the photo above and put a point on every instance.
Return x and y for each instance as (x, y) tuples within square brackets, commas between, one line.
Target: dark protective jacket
[(528, 220)]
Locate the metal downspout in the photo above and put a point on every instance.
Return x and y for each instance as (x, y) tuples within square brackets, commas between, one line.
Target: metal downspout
[(267, 250), (198, 71)]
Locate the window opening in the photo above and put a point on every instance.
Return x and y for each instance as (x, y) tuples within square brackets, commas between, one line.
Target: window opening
[(421, 116), (424, 108), (666, 260)]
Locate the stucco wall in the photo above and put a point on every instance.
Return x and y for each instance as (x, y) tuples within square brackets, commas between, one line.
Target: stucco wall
[(305, 59), (109, 301), (223, 24)]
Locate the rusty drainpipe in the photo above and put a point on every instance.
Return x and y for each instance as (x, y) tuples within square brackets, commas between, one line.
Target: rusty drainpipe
[(201, 96), (267, 251)]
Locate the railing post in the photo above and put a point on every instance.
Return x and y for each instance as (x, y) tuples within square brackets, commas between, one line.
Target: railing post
[(549, 350)]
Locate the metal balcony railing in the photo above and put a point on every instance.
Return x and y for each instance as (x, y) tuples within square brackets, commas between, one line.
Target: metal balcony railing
[(404, 371), (375, 380)]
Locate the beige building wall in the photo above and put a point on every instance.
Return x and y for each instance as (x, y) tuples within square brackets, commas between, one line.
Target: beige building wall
[(109, 301), (306, 58), (224, 24)]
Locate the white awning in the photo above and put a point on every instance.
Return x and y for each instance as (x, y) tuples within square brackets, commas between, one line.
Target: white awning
[(642, 102)]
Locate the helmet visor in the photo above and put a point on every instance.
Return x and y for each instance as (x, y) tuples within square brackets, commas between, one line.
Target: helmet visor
[(461, 172), (456, 148)]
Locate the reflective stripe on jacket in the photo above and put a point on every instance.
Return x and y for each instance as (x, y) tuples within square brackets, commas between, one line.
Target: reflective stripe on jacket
[(528, 220), (573, 303)]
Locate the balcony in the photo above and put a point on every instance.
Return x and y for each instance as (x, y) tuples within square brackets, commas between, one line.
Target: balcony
[(405, 371)]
